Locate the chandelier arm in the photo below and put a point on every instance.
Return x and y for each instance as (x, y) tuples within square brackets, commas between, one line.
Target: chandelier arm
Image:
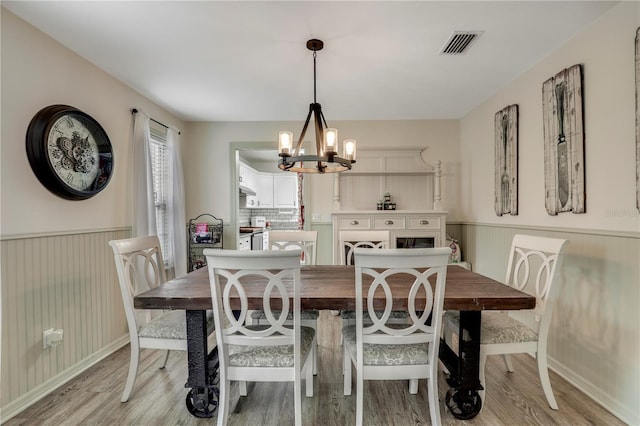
[(304, 131), (322, 116), (319, 136)]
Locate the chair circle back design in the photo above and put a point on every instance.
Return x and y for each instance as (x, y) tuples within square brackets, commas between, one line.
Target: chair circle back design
[(532, 266), (233, 272), (350, 240), (407, 268), (292, 240), (140, 267)]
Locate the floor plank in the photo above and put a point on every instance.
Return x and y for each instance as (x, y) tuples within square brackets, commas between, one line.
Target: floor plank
[(93, 398)]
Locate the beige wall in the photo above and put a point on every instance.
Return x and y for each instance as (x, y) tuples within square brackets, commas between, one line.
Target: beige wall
[(37, 72), (595, 337)]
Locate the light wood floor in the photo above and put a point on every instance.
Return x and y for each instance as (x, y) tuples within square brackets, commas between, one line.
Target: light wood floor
[(93, 398)]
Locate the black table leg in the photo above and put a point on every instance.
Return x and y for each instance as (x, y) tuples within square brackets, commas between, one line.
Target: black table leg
[(202, 399), (462, 399)]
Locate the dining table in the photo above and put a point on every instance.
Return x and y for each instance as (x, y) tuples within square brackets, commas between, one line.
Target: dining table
[(332, 287)]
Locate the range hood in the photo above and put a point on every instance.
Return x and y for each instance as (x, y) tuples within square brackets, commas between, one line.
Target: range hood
[(245, 190)]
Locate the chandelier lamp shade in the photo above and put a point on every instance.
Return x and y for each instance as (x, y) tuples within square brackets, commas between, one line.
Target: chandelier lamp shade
[(326, 160)]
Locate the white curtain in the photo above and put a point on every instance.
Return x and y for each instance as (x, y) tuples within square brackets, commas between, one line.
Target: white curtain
[(176, 205), (144, 212)]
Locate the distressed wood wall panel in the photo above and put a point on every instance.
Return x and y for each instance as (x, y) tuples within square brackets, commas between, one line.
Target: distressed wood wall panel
[(564, 142), (506, 161), (64, 282), (594, 338)]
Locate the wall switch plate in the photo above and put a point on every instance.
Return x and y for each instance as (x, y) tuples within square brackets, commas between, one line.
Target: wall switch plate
[(316, 217)]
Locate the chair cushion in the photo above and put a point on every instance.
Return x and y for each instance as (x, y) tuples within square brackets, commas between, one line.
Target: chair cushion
[(352, 314), (497, 327), (270, 356), (305, 315), (386, 354), (171, 325)]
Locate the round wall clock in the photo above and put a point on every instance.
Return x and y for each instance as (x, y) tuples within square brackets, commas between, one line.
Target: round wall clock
[(69, 152)]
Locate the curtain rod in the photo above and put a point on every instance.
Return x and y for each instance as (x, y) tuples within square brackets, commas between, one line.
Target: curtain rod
[(135, 111)]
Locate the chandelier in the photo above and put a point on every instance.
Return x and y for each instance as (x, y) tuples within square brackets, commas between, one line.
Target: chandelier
[(326, 159)]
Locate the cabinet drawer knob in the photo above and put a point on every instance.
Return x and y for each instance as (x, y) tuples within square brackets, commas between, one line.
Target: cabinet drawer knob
[(424, 222), (388, 222), (355, 222)]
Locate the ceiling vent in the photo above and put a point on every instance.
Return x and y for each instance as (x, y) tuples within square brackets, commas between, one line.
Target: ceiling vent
[(459, 42)]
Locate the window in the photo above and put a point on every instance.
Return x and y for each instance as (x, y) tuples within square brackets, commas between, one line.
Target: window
[(158, 146)]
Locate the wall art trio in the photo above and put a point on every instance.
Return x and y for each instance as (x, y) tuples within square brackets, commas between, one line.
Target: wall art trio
[(563, 124)]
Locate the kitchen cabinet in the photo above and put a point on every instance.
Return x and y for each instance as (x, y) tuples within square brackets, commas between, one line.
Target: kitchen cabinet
[(248, 179), (406, 228), (265, 190), (244, 242), (285, 190), (204, 231), (247, 176), (273, 190)]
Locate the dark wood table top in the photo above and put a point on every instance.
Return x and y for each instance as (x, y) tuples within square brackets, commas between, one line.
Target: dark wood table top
[(333, 287)]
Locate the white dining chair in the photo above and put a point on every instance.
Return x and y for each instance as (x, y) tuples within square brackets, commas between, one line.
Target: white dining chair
[(383, 351), (273, 351), (533, 268), (349, 241), (306, 242), (140, 267)]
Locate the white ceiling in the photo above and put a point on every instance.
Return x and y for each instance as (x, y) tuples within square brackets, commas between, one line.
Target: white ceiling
[(247, 61)]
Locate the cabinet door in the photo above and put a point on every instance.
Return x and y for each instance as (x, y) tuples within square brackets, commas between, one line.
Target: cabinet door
[(246, 176), (285, 190), (249, 178), (265, 190)]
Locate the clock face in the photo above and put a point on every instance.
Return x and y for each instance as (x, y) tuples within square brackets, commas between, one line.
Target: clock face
[(69, 152), (73, 151)]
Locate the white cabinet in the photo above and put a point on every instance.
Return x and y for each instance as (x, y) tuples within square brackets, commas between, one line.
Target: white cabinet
[(247, 176), (249, 180), (406, 228), (265, 190), (272, 190), (244, 242), (285, 190)]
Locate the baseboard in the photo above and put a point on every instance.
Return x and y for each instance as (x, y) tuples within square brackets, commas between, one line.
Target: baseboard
[(613, 406), (34, 395)]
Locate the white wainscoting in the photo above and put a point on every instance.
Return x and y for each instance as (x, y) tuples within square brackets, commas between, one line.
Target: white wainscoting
[(66, 282), (594, 339)]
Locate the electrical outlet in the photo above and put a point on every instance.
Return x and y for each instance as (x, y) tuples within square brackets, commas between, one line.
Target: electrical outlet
[(316, 217), (51, 337)]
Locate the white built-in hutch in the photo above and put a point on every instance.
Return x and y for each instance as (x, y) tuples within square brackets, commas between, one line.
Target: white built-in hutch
[(414, 186)]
